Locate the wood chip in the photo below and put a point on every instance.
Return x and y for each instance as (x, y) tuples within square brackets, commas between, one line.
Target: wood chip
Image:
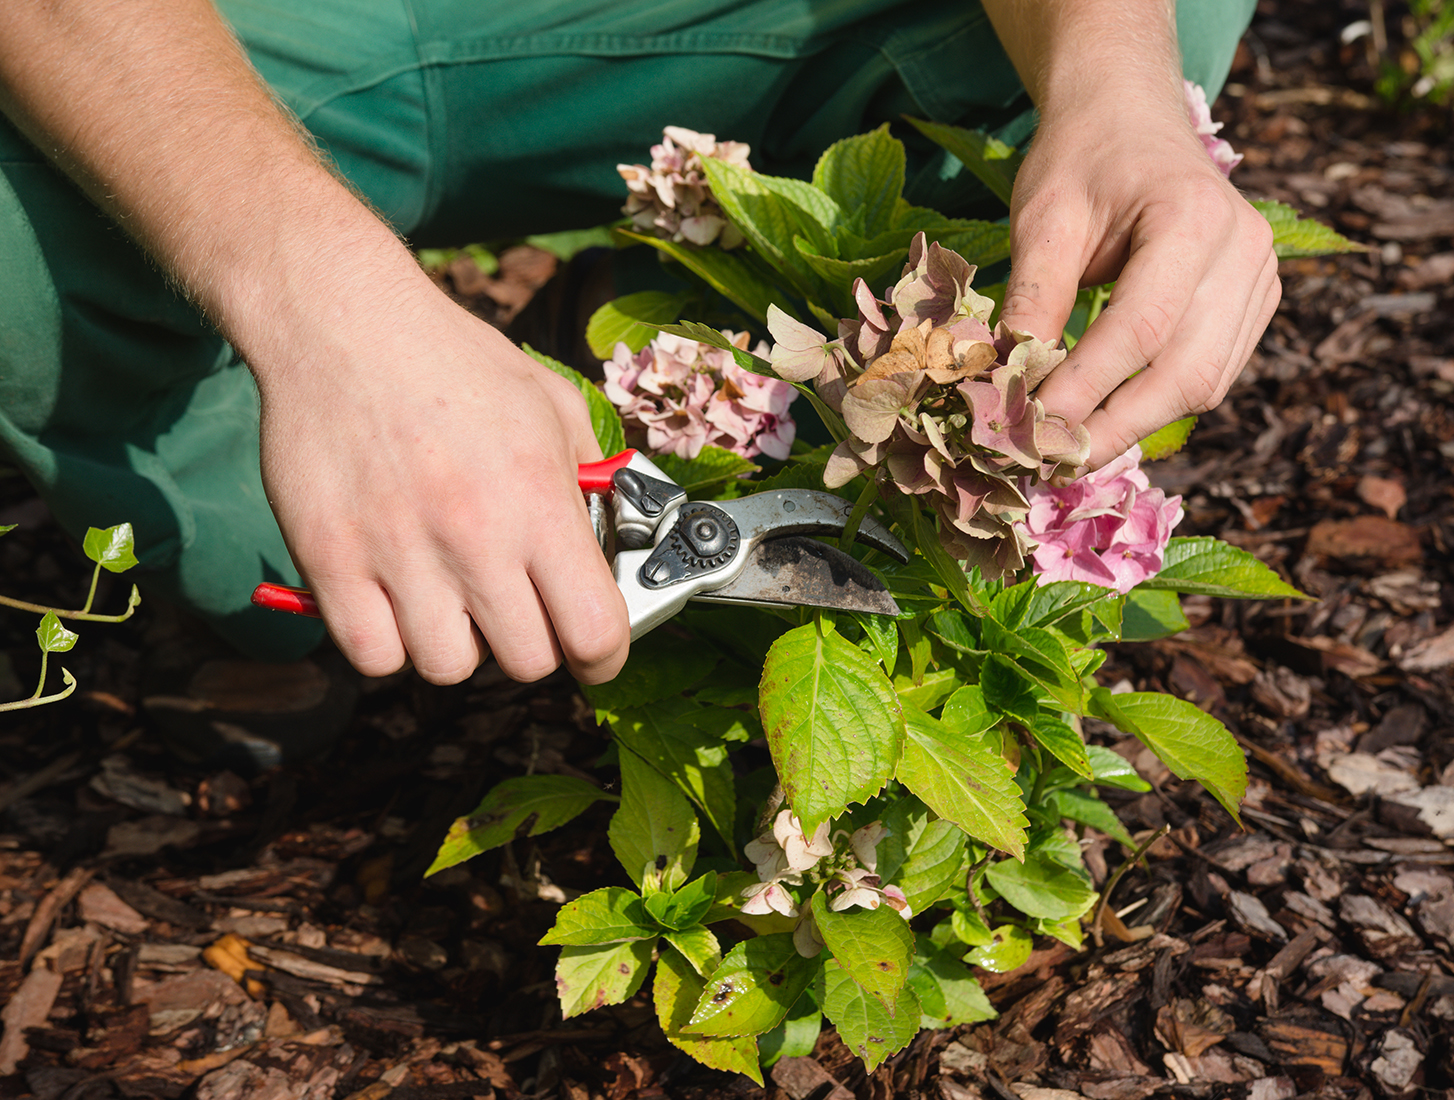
[(804, 1077), (50, 906), (29, 1007), (100, 904)]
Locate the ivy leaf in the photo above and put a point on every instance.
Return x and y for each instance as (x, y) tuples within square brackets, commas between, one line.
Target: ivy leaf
[(965, 781), (753, 989), (1042, 887), (687, 906), (664, 736), (832, 719), (1165, 442), (1189, 741), (655, 832), (948, 993), (1294, 236), (994, 162), (676, 991), (629, 320), (874, 946), (592, 977), (544, 801), (728, 273), (605, 420), (1063, 742), (864, 173), (1151, 614), (700, 947), (658, 667), (1009, 950), (922, 855), (52, 636), (612, 914), (1210, 567), (870, 1030), (111, 549)]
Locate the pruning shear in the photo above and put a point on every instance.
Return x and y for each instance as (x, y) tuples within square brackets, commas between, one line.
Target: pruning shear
[(749, 551)]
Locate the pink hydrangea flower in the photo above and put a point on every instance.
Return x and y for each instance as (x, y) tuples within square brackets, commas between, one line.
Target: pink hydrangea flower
[(1200, 114), (671, 198), (676, 396), (1108, 528)]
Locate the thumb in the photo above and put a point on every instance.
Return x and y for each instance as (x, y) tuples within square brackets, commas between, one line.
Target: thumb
[(1045, 272)]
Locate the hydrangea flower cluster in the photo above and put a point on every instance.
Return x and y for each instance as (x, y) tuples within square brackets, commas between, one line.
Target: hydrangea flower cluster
[(676, 396), (1108, 527), (785, 856), (671, 198), (939, 402), (1200, 115)]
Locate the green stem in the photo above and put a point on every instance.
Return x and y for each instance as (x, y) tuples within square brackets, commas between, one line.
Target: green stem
[(1099, 298), (860, 509), (80, 616), (91, 595), (44, 657), (36, 700)]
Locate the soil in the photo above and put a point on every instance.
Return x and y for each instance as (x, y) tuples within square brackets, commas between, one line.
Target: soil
[(169, 929)]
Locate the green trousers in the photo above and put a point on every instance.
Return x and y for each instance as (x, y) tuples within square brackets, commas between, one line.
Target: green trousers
[(460, 120)]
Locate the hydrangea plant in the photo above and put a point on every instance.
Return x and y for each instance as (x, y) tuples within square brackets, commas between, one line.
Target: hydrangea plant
[(927, 782)]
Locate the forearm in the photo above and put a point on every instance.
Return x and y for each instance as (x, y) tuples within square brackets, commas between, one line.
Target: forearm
[(152, 107), (1073, 52)]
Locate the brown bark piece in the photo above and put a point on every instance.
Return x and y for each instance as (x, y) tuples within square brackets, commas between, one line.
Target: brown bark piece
[(804, 1077), (1365, 542), (1301, 1043), (29, 1007), (48, 909), (100, 904)]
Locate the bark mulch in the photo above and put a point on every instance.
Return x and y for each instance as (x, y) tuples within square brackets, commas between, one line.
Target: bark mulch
[(171, 930)]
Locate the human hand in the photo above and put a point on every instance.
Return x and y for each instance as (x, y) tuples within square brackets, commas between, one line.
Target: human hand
[(1125, 191), (423, 471)]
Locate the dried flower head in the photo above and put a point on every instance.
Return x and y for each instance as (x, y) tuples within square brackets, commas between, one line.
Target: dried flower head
[(938, 403), (671, 198), (677, 395)]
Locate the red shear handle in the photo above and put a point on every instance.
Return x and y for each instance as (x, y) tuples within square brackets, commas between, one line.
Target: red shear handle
[(280, 597), (595, 477)]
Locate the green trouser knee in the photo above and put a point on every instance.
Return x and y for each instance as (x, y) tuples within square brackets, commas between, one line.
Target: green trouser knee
[(459, 121)]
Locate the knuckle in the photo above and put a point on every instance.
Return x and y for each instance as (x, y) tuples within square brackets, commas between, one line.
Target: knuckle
[(527, 667), (1202, 387), (1150, 328)]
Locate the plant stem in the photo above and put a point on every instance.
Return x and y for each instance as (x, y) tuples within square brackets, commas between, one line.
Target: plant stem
[(1116, 878), (80, 616), (38, 700), (44, 657), (1099, 298), (969, 887), (91, 595)]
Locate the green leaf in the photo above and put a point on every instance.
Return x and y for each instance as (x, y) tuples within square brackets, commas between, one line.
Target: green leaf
[(1009, 690), (965, 781), (966, 714), (6, 528), (994, 162), (111, 548), (1293, 236), (569, 242), (52, 636), (1042, 887), (1166, 441), (922, 855), (1011, 947), (545, 802), (713, 466), (864, 173), (605, 420), (832, 719), (613, 914), (620, 320), (1043, 656), (676, 991), (728, 273), (874, 946), (870, 1030), (753, 989), (1032, 604), (796, 1036), (1189, 741), (659, 667), (948, 993), (665, 737), (931, 688), (1114, 770), (655, 832), (1090, 810), (969, 928), (1067, 931), (592, 977), (840, 274), (1149, 614), (687, 906), (1062, 741), (700, 947), (881, 634), (1208, 566), (712, 337)]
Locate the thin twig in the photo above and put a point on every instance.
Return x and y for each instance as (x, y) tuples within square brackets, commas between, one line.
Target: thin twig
[(1116, 878)]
